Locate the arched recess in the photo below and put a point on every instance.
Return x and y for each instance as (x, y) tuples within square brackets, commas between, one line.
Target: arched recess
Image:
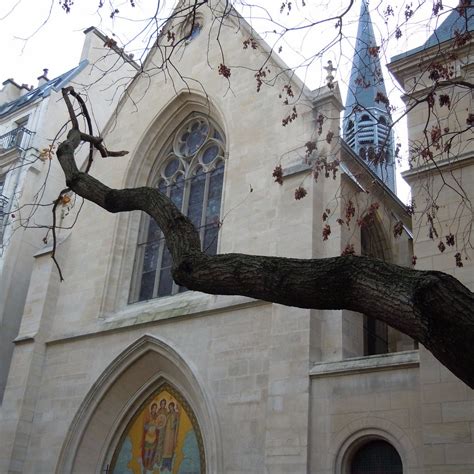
[(139, 171), (376, 455), (345, 466), (115, 397), (374, 243), (350, 438)]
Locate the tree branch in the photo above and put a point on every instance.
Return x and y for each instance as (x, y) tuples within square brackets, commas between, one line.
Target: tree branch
[(432, 307)]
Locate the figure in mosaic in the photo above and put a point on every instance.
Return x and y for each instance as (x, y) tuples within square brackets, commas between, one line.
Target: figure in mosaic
[(170, 438), (153, 430), (162, 438)]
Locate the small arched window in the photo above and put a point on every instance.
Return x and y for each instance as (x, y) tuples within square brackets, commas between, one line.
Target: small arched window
[(376, 457), (195, 30), (382, 120), (191, 175), (365, 118), (372, 156)]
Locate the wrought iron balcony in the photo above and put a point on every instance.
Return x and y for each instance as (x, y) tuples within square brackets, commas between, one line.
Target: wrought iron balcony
[(16, 138)]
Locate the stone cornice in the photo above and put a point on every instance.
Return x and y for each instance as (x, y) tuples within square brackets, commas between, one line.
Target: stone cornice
[(393, 361), (144, 314), (441, 165)]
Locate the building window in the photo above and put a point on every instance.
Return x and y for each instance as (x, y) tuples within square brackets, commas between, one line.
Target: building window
[(195, 30), (378, 336), (375, 336), (376, 457), (375, 331), (190, 26), (191, 174), (21, 133), (372, 156)]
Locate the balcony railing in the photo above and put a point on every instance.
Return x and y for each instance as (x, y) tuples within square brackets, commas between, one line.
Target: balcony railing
[(16, 138)]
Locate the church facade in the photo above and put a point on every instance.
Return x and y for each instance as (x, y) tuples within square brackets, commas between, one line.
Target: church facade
[(117, 369)]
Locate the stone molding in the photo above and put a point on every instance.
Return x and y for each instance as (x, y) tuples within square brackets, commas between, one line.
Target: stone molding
[(150, 312), (445, 165), (75, 455), (393, 361), (140, 169), (360, 431)]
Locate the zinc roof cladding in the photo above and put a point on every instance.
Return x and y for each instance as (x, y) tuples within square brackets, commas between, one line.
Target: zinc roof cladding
[(42, 91), (366, 78), (445, 31)]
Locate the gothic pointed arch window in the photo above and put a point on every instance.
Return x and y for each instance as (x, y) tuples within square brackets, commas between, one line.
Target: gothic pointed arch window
[(378, 336), (190, 172), (375, 331)]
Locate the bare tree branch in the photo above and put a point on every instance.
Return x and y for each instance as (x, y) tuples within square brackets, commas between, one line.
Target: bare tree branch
[(432, 307)]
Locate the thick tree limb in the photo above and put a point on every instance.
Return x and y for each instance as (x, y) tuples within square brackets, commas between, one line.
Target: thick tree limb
[(432, 307)]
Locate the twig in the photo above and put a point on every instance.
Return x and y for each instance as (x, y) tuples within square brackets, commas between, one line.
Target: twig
[(53, 231), (94, 142)]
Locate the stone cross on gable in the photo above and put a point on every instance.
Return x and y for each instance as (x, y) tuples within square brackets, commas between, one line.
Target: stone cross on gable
[(330, 77)]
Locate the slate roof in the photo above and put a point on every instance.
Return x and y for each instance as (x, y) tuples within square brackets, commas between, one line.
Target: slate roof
[(366, 74), (42, 91), (446, 30)]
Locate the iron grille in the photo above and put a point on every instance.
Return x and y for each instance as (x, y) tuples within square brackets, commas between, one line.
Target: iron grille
[(16, 138)]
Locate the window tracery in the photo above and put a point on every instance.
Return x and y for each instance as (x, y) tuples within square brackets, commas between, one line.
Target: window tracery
[(191, 175)]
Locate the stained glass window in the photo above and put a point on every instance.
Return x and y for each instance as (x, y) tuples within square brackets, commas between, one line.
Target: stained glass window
[(192, 176)]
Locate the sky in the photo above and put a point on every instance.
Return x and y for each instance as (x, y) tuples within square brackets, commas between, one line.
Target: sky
[(38, 34)]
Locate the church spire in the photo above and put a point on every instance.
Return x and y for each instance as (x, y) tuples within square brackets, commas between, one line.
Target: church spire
[(367, 119)]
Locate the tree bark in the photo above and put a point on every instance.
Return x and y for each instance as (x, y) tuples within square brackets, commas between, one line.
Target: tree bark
[(432, 307)]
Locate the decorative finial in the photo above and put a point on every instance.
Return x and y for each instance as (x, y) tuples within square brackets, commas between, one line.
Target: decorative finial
[(330, 77)]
